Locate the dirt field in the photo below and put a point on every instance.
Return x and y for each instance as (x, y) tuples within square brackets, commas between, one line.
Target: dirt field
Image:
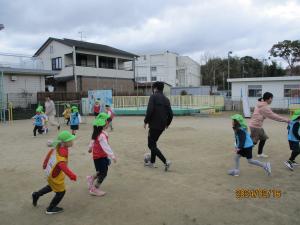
[(197, 189)]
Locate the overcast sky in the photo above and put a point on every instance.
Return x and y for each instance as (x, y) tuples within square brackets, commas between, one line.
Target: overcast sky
[(189, 27)]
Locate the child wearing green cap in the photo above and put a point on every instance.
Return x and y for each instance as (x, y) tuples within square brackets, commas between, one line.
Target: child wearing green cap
[(294, 139), (243, 146), (67, 113), (55, 167), (102, 153), (38, 121), (74, 120)]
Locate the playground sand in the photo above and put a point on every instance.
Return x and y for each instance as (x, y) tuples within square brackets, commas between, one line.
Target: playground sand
[(195, 191)]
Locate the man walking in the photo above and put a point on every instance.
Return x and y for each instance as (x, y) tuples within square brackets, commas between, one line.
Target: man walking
[(50, 112), (159, 116)]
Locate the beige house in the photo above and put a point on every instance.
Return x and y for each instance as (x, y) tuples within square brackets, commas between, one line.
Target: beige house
[(84, 66)]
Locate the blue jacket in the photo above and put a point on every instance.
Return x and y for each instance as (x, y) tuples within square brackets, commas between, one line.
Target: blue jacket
[(294, 131), (38, 120), (74, 120), (243, 139)]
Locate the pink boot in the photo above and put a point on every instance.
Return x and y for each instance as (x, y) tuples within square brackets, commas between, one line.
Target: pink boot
[(90, 181), (96, 191)]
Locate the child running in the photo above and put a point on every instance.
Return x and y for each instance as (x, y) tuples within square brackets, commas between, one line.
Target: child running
[(97, 108), (67, 113), (74, 120), (38, 121), (294, 139), (110, 112), (55, 166), (102, 153), (243, 146)]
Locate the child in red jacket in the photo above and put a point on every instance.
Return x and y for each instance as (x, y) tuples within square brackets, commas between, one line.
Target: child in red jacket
[(55, 167), (102, 153)]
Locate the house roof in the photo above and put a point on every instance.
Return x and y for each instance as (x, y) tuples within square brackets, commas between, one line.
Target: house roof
[(19, 71), (264, 79), (87, 46)]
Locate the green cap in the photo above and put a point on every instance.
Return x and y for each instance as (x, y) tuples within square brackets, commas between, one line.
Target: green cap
[(101, 119), (63, 136), (39, 109), (240, 119), (74, 109), (296, 114)]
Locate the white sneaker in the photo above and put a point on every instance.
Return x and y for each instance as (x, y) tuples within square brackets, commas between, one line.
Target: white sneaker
[(167, 165), (262, 155), (233, 172), (268, 169)]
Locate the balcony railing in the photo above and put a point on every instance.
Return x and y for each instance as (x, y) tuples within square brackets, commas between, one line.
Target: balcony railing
[(20, 61)]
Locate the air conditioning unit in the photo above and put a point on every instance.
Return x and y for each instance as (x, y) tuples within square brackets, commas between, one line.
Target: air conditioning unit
[(13, 78)]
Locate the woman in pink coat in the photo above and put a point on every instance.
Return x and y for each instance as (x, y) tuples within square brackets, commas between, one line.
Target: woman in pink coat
[(261, 112)]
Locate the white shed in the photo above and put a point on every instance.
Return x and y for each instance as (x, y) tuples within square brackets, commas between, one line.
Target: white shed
[(286, 90)]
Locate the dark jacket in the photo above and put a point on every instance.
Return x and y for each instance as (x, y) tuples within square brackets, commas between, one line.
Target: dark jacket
[(159, 113)]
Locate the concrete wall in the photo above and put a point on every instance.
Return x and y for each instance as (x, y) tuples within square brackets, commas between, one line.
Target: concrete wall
[(190, 70), (275, 87)]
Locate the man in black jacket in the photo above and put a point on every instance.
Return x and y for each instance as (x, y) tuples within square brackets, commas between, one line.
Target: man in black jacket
[(159, 116)]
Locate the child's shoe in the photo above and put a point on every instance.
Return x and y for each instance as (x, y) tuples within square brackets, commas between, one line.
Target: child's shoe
[(90, 181), (96, 191), (35, 198), (288, 164), (267, 168), (234, 172), (54, 210)]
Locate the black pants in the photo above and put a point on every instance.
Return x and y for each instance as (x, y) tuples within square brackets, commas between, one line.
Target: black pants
[(101, 166), (295, 148), (261, 146), (68, 121), (39, 129), (56, 199), (153, 137)]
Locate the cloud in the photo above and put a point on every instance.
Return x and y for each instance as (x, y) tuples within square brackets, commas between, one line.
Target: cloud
[(246, 27)]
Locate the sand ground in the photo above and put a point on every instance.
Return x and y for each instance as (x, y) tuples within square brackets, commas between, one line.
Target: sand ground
[(195, 191)]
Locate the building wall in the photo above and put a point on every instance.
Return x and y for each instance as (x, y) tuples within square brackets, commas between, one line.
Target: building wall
[(91, 83), (24, 83), (53, 50), (170, 68), (275, 87)]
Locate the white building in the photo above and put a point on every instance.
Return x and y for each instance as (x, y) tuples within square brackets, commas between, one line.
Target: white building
[(82, 66), (286, 90), (178, 71)]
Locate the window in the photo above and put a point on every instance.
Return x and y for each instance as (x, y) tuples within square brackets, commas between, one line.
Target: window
[(141, 78), (107, 62), (254, 90), (153, 78), (292, 90), (153, 68), (56, 63)]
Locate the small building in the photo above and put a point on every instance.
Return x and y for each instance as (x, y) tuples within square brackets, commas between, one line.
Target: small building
[(286, 89), (20, 86), (169, 67), (83, 66), (202, 90), (146, 88)]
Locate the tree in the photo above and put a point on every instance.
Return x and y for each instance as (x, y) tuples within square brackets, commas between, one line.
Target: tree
[(289, 51)]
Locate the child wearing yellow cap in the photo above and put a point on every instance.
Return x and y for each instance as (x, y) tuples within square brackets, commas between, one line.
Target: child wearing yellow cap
[(55, 167), (243, 146), (67, 113), (294, 139), (102, 153)]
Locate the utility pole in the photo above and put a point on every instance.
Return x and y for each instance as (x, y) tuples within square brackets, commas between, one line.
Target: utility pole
[(228, 77)]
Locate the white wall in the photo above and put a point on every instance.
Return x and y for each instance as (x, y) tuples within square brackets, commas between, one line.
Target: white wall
[(275, 87), (59, 50), (27, 83), (168, 65)]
